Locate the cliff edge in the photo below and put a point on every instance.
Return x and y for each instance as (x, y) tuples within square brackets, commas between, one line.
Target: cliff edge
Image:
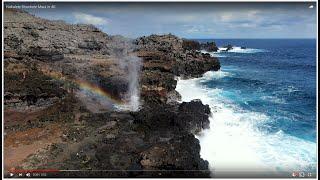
[(50, 123)]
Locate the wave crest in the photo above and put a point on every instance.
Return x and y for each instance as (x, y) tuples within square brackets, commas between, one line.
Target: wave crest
[(235, 142), (236, 49), (210, 75)]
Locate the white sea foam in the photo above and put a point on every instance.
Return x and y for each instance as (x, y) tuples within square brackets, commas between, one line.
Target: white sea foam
[(214, 75), (291, 89), (234, 143), (223, 53), (274, 99), (214, 54), (236, 49)]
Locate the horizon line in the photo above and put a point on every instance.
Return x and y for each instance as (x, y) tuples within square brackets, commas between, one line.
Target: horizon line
[(248, 38)]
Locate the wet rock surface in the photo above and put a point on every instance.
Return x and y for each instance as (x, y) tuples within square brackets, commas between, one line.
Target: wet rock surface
[(43, 61)]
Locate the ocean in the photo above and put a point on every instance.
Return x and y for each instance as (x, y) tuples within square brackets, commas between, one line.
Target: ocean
[(263, 104)]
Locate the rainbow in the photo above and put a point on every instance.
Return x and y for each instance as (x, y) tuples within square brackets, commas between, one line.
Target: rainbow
[(97, 90), (84, 85)]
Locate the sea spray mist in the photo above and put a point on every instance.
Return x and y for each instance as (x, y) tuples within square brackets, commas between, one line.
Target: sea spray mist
[(122, 49), (134, 67)]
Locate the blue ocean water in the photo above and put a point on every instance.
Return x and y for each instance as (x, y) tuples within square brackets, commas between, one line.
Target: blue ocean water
[(279, 80), (263, 102)]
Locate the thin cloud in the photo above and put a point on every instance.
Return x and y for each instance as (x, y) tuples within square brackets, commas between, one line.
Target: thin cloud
[(89, 19), (196, 20)]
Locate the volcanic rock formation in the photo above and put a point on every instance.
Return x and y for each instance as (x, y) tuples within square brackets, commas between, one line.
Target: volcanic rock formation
[(43, 62)]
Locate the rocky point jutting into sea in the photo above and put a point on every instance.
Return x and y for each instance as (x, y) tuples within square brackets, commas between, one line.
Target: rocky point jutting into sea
[(68, 100)]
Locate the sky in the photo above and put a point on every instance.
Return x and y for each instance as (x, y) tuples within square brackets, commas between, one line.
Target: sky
[(191, 20)]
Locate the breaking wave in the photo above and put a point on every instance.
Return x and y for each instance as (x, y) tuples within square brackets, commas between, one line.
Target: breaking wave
[(236, 49), (235, 141), (215, 75)]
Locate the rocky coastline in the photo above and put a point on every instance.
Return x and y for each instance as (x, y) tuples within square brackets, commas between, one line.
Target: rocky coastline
[(44, 114)]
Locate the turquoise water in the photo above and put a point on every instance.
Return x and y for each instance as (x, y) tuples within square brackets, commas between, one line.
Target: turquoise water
[(264, 106)]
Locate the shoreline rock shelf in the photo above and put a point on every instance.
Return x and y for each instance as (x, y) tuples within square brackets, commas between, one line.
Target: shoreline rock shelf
[(155, 141)]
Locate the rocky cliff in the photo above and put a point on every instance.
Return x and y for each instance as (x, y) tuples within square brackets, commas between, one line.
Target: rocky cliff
[(45, 115), (168, 56)]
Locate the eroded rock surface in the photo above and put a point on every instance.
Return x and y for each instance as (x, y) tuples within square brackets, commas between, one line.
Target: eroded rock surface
[(167, 56), (209, 46), (43, 61)]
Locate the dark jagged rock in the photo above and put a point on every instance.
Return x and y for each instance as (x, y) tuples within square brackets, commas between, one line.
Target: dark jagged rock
[(44, 59), (33, 89), (195, 67), (157, 116), (209, 46), (173, 156), (116, 86), (190, 45), (188, 116), (158, 84), (229, 47), (163, 43), (193, 116), (168, 54)]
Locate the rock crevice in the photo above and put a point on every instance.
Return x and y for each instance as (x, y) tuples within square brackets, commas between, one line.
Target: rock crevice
[(42, 60)]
